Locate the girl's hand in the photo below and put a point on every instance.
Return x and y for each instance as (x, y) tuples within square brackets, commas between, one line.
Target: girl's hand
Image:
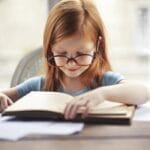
[(5, 101), (84, 103)]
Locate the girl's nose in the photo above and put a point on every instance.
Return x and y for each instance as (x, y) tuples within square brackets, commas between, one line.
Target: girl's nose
[(72, 63)]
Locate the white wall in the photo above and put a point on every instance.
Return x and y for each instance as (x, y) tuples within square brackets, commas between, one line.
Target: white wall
[(122, 24), (21, 30)]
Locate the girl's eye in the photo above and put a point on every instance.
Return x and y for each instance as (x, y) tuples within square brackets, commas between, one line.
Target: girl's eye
[(80, 53), (61, 53)]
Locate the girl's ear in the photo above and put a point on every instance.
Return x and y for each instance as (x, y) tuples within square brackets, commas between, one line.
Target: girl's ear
[(100, 38), (98, 43)]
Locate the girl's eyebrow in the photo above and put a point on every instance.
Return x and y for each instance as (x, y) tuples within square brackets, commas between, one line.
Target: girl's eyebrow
[(84, 50), (60, 52), (78, 50)]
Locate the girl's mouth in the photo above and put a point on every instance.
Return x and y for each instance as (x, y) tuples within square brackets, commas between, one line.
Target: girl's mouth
[(72, 70)]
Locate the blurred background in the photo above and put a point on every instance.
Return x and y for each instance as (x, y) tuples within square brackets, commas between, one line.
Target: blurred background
[(127, 24)]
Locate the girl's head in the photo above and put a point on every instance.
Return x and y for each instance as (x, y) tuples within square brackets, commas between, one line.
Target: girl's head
[(74, 29)]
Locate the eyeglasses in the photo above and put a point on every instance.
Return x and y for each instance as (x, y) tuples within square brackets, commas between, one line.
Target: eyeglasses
[(61, 60)]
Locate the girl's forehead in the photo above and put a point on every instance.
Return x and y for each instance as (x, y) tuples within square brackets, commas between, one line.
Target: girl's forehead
[(74, 42)]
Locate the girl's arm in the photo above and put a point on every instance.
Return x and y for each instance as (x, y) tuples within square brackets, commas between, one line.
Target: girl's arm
[(123, 92), (11, 93)]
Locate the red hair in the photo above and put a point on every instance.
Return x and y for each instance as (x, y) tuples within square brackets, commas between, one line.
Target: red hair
[(65, 19)]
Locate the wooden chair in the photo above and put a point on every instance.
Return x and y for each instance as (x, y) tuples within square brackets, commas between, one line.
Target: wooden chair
[(29, 66)]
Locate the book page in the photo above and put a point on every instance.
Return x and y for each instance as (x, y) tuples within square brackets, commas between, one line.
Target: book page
[(44, 101), (56, 102), (108, 107)]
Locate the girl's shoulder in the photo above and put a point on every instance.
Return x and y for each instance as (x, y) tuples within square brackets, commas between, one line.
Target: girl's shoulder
[(36, 82), (111, 78), (31, 84)]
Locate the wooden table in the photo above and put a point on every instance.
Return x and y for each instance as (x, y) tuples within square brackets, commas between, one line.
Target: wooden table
[(93, 137)]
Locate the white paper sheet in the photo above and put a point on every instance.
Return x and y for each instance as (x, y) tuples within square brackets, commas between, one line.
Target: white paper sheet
[(12, 129), (142, 113)]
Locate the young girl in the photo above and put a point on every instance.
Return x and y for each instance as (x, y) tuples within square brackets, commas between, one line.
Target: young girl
[(77, 63)]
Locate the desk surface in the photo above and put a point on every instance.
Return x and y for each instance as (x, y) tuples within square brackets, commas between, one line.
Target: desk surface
[(136, 136)]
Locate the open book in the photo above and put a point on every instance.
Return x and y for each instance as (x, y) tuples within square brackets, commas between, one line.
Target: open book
[(50, 105)]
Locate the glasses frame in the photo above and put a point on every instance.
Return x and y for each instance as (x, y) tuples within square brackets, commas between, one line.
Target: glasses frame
[(52, 62)]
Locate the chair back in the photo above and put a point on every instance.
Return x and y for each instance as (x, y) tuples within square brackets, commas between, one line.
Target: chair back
[(29, 66)]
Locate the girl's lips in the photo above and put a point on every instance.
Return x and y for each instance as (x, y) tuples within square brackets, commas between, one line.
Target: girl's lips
[(72, 69)]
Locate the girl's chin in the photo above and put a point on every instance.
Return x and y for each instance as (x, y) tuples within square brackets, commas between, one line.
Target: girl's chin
[(72, 74)]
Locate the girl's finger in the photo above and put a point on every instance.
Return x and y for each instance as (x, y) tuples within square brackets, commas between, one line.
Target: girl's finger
[(89, 105), (76, 107), (73, 111), (4, 103), (9, 101), (70, 109), (67, 110)]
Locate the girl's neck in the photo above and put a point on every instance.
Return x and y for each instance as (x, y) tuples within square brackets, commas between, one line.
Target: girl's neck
[(72, 85)]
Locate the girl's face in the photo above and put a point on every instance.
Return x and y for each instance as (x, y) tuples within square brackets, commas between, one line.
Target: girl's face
[(73, 55)]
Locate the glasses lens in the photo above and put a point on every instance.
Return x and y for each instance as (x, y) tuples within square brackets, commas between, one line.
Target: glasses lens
[(84, 59), (57, 60), (60, 60)]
